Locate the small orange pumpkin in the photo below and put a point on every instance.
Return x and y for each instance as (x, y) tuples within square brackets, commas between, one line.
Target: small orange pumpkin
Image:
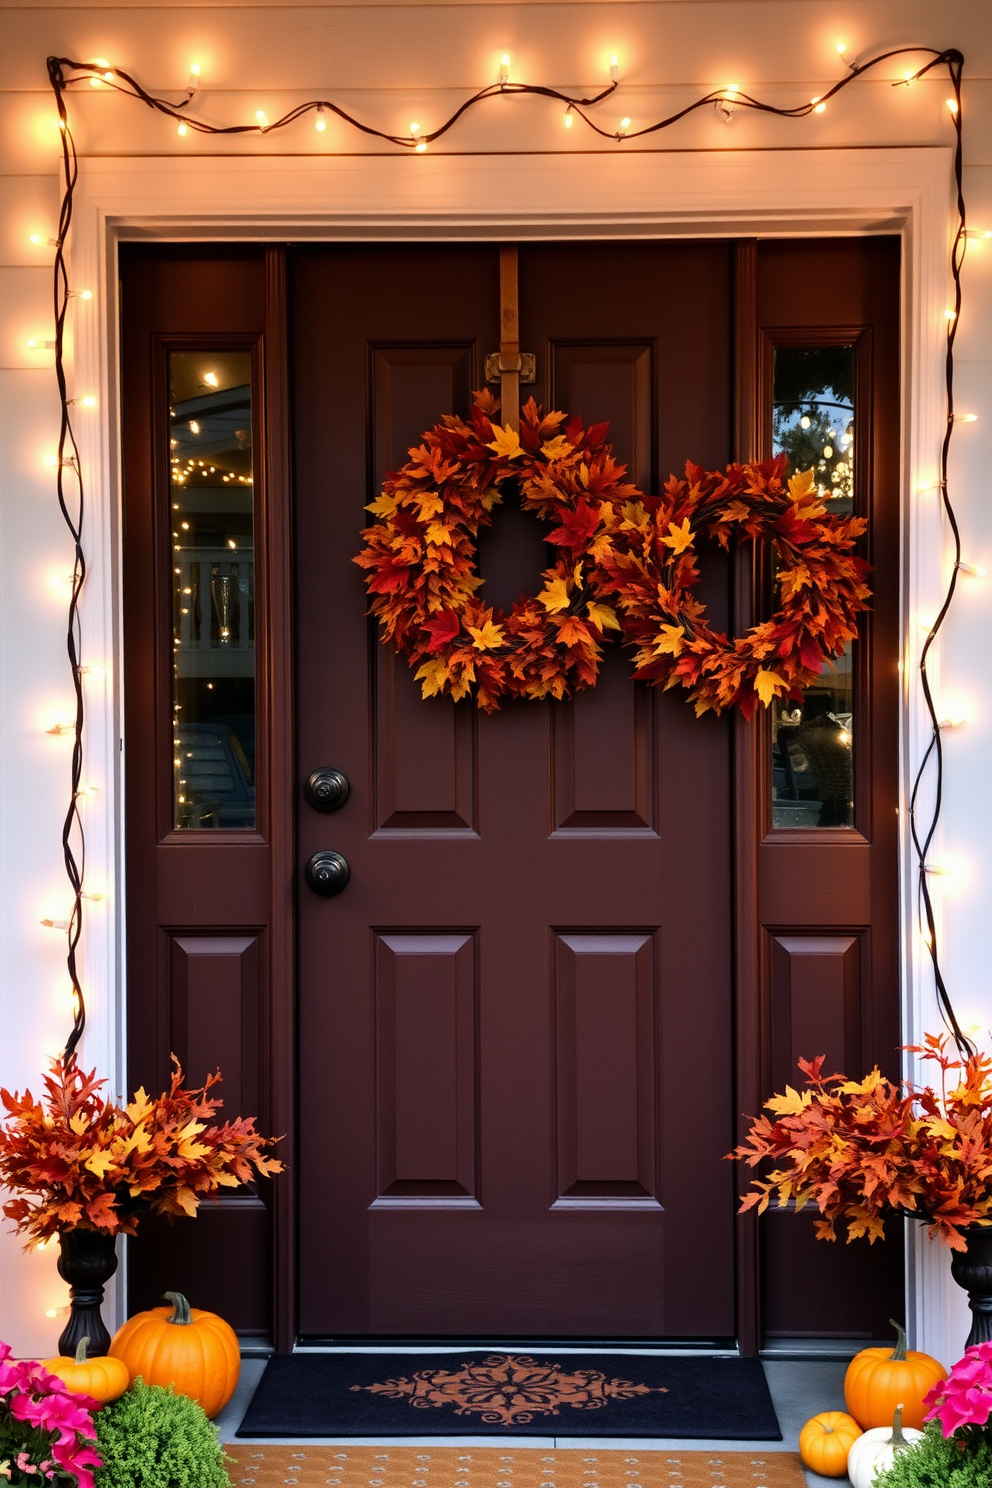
[(195, 1351), (825, 1441), (104, 1379), (879, 1379)]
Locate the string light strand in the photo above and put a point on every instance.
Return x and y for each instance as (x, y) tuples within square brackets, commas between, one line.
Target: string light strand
[(72, 504), (64, 72)]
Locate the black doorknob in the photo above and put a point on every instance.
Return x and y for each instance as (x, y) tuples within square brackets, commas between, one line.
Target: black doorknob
[(327, 873), (327, 789)]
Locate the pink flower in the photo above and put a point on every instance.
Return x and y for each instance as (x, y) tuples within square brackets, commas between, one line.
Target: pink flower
[(965, 1397)]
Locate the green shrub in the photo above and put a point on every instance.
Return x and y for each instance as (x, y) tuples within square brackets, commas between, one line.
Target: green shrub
[(154, 1438), (936, 1463)]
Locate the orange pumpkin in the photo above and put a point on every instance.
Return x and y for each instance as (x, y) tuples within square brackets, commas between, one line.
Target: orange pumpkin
[(195, 1351), (879, 1379), (825, 1441), (102, 1378)]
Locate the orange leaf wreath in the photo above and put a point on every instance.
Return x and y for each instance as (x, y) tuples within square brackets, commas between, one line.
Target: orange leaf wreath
[(421, 555), (652, 564), (627, 563)]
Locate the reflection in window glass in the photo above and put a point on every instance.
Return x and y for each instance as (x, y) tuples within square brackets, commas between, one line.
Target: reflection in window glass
[(213, 588), (812, 742)]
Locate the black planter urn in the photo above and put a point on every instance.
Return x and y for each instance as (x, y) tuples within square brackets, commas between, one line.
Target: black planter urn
[(972, 1269), (87, 1261)]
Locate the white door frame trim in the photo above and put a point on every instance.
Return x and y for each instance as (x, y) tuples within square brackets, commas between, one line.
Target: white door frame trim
[(639, 194)]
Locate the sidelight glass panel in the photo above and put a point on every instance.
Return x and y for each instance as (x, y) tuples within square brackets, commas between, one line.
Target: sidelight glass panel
[(213, 589), (813, 741)]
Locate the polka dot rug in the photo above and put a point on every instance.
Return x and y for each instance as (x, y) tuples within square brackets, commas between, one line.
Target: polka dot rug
[(258, 1466)]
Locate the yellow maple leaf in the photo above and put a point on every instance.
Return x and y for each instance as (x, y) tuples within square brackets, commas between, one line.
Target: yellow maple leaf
[(789, 1104), (383, 506), (140, 1106), (768, 685), (430, 505), (433, 674), (680, 537), (554, 595), (79, 1123), (801, 484), (437, 533), (557, 448), (670, 640), (506, 444), (99, 1163), (602, 615), (189, 1148), (486, 637), (187, 1201)]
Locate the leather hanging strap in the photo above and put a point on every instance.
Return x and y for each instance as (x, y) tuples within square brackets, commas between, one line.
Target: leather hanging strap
[(509, 338)]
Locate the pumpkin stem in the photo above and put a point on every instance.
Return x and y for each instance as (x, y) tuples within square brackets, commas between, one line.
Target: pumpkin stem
[(81, 1348), (897, 1439), (899, 1357), (180, 1309)]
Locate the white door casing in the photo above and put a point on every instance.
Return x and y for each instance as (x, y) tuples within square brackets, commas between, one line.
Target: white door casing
[(641, 194)]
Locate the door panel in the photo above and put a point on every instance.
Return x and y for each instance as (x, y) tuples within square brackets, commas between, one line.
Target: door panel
[(494, 1012), (827, 905)]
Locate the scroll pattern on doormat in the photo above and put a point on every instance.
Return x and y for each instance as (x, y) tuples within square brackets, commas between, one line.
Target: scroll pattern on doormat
[(257, 1466)]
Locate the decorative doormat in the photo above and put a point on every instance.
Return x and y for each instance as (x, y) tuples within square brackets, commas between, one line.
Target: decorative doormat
[(518, 1394), (495, 1467)]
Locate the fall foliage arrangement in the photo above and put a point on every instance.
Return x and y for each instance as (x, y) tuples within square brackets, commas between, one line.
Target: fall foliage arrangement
[(628, 564), (77, 1160), (863, 1149)]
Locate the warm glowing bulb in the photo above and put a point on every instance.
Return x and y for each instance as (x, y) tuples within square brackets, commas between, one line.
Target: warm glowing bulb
[(210, 378), (194, 427), (964, 418), (818, 106), (320, 123), (194, 75), (624, 123), (952, 105), (566, 118), (953, 720), (939, 870), (261, 118), (504, 68), (181, 131), (88, 402), (974, 570), (40, 241), (841, 49), (421, 147), (83, 294), (415, 128), (35, 343), (732, 88), (969, 232), (614, 69), (950, 315)]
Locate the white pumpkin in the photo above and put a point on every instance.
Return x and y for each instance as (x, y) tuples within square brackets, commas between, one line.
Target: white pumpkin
[(875, 1450)]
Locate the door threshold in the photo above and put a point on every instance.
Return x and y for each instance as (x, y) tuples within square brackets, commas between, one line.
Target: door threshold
[(810, 1349), (703, 1347)]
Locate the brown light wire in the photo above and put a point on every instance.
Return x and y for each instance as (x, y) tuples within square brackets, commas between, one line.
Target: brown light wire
[(64, 72)]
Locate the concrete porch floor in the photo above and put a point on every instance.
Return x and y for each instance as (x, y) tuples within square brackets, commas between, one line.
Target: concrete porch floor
[(799, 1389)]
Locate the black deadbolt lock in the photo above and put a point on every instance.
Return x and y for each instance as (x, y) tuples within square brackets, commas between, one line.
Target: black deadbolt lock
[(327, 789), (327, 873)]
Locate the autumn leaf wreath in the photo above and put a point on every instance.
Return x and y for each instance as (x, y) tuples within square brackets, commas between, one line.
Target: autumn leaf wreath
[(627, 563)]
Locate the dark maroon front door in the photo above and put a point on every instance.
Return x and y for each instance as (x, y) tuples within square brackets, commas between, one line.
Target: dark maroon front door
[(515, 1022), (579, 939)]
